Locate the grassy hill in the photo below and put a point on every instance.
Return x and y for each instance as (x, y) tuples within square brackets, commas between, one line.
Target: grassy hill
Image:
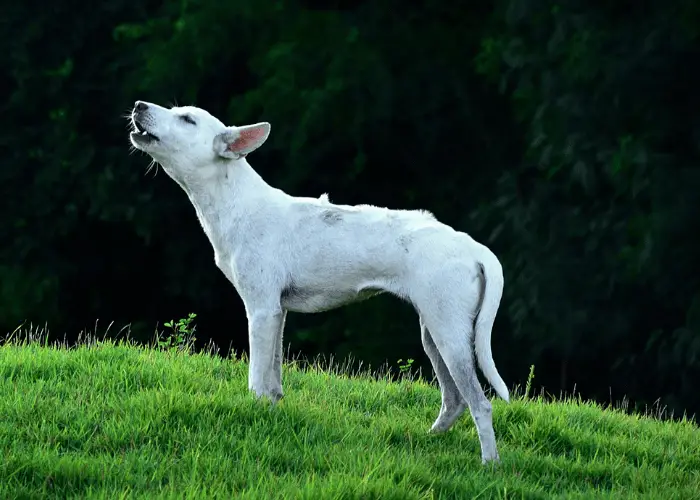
[(113, 420)]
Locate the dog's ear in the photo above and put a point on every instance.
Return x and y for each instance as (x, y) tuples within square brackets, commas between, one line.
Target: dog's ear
[(237, 142)]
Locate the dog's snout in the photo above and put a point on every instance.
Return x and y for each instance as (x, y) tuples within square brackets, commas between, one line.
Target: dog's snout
[(140, 106)]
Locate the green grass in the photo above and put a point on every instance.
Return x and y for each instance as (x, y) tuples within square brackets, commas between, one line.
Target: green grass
[(119, 421)]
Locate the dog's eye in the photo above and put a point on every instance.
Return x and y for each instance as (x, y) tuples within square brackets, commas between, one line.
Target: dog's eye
[(188, 119)]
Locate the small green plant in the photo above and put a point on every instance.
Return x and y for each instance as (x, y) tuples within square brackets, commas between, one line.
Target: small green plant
[(405, 366), (528, 384), (181, 335)]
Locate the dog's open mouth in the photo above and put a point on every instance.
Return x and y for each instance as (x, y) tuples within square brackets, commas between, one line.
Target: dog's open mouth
[(141, 134)]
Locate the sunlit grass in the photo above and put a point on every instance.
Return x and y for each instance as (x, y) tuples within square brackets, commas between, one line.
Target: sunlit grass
[(113, 420)]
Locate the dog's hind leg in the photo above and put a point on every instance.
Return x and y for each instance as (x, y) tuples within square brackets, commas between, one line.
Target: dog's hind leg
[(446, 307), (453, 404)]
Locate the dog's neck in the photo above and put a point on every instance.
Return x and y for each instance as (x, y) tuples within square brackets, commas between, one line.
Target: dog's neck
[(223, 198)]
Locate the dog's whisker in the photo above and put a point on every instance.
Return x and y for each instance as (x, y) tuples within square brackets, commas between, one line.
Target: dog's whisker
[(153, 164)]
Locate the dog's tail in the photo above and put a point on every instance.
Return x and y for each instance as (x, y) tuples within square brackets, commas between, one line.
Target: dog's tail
[(483, 323)]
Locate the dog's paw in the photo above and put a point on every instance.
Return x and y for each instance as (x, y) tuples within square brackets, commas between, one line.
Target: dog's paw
[(494, 460), (438, 428), (271, 396)]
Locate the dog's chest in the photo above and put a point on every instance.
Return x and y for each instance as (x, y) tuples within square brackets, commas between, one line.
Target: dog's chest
[(223, 262)]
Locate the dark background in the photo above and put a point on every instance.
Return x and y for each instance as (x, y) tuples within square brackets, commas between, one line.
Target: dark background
[(564, 135)]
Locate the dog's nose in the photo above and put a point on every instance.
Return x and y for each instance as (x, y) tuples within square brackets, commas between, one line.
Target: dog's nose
[(140, 106)]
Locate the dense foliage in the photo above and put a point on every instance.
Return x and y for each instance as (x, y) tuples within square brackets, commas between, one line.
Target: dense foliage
[(563, 135)]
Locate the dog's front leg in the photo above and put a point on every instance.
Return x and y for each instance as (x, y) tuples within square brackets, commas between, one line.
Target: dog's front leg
[(264, 328), (278, 357)]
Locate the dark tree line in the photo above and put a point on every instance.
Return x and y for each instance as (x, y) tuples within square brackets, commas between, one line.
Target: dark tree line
[(563, 135)]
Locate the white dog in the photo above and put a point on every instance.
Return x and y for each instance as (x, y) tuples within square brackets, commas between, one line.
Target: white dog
[(284, 253)]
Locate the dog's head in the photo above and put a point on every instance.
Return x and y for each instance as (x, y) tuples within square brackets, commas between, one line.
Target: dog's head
[(187, 139)]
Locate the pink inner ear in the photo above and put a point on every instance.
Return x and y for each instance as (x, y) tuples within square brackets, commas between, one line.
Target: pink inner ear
[(246, 139)]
